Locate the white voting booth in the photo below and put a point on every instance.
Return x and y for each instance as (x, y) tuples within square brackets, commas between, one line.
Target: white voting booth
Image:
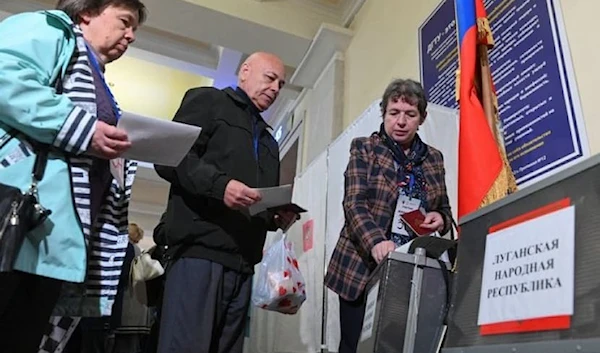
[(274, 332), (320, 190)]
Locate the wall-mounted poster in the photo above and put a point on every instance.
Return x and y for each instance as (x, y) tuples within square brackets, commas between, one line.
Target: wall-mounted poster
[(531, 66)]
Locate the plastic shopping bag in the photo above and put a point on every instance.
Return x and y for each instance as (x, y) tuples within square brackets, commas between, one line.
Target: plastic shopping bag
[(279, 286)]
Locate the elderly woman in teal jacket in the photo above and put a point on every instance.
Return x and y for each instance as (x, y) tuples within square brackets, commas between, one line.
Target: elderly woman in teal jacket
[(53, 92)]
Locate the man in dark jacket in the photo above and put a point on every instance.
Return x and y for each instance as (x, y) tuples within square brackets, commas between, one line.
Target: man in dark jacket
[(215, 241)]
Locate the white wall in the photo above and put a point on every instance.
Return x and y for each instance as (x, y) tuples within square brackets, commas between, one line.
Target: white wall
[(324, 116)]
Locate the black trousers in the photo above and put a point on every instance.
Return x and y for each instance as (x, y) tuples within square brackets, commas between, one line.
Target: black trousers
[(204, 308), (26, 303), (351, 321), (92, 335), (151, 345)]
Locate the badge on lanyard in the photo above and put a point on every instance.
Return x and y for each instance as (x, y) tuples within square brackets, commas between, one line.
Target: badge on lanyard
[(405, 204)]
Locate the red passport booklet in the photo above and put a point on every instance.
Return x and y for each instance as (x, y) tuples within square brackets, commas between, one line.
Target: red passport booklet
[(414, 219)]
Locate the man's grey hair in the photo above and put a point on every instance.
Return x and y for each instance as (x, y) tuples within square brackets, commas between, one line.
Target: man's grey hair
[(407, 89), (74, 8)]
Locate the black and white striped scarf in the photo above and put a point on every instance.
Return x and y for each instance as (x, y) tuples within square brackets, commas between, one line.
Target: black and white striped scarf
[(107, 238)]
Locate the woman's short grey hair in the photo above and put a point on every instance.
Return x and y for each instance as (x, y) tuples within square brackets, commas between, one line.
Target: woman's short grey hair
[(74, 8), (407, 89)]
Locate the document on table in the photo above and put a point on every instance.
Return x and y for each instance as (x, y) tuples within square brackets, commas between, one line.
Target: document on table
[(275, 198), (157, 141)]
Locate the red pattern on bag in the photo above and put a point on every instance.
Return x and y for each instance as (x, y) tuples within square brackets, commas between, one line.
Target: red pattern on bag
[(280, 285)]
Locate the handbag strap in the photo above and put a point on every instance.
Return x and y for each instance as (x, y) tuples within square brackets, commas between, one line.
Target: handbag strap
[(9, 135), (41, 155), (446, 276), (39, 166), (453, 227)]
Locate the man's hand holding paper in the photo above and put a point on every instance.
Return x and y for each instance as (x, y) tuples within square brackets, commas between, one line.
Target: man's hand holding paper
[(277, 199), (238, 195)]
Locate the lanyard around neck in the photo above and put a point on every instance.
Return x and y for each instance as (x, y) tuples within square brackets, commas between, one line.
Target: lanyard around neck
[(96, 67)]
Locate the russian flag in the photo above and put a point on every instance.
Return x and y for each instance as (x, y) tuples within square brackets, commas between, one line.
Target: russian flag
[(479, 158)]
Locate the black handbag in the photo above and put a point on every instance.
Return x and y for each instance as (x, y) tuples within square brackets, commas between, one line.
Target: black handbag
[(20, 212)]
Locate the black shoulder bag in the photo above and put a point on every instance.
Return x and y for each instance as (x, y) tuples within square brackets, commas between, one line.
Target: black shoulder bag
[(20, 212)]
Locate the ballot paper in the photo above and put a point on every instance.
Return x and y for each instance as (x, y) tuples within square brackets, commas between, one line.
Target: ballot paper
[(275, 199), (157, 141)]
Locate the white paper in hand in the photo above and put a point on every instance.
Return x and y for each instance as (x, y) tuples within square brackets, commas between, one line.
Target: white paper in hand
[(272, 197), (157, 141)]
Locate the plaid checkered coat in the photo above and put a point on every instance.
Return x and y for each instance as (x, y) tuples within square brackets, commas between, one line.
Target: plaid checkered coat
[(370, 196)]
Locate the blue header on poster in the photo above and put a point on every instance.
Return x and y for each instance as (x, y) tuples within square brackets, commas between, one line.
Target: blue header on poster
[(439, 55)]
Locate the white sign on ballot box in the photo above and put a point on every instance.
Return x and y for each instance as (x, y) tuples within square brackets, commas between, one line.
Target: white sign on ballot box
[(528, 270), (369, 318)]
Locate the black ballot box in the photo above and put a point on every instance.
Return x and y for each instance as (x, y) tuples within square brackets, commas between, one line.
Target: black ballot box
[(576, 188), (406, 305)]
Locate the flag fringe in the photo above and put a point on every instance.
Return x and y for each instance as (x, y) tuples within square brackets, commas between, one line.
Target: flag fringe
[(505, 183), (484, 32), (457, 86)]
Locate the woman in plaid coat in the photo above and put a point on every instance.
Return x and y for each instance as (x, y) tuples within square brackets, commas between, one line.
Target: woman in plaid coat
[(391, 166)]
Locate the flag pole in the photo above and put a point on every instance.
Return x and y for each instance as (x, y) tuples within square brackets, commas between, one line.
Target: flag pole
[(485, 42), (457, 73), (486, 90)]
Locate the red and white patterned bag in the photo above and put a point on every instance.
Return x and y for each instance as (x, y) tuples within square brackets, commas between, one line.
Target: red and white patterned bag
[(279, 286)]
